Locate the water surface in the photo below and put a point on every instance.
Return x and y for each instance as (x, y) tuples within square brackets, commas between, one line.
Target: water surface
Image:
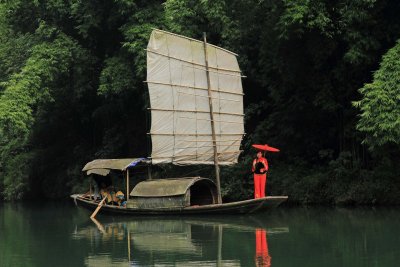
[(60, 234)]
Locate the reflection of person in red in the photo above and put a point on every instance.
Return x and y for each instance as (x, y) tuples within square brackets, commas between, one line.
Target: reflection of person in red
[(260, 168), (262, 255)]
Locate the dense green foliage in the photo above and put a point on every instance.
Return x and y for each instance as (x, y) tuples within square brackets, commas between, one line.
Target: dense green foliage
[(71, 89), (380, 105)]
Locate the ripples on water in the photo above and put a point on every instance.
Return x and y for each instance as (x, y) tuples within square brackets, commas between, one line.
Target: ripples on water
[(60, 234)]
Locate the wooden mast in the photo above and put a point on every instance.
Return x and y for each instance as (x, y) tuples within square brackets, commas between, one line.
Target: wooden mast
[(127, 184), (212, 121)]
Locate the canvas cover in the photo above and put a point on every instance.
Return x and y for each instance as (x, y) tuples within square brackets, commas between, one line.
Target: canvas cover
[(168, 187), (180, 111), (103, 166), (102, 172)]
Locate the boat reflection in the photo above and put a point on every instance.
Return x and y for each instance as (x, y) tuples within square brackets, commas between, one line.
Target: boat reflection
[(207, 241)]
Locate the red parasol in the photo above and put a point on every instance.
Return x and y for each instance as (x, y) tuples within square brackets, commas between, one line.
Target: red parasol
[(265, 148)]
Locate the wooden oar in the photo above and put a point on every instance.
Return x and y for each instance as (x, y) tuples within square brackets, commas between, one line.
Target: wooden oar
[(98, 208)]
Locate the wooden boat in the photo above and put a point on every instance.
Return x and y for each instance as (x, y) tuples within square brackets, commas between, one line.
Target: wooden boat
[(196, 104), (238, 207)]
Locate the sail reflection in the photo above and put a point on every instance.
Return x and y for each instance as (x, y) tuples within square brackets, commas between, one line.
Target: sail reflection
[(178, 242)]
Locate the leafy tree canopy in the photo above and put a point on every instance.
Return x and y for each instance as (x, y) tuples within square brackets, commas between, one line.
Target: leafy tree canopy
[(380, 103)]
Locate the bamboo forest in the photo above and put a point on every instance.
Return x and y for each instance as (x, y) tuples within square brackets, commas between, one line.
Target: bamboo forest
[(322, 84)]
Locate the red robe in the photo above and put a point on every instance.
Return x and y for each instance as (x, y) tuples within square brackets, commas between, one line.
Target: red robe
[(260, 180)]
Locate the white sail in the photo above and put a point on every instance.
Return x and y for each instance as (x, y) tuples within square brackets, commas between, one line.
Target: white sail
[(180, 111)]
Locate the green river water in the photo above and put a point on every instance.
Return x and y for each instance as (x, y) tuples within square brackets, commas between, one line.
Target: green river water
[(61, 234)]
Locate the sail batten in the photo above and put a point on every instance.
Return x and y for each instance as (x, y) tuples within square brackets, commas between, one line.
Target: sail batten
[(200, 88), (193, 63), (196, 111), (188, 134), (181, 129)]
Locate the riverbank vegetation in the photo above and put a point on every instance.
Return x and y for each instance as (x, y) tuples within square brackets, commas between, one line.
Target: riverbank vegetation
[(322, 85)]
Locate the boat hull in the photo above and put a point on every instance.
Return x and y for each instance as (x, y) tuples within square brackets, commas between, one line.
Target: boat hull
[(238, 207)]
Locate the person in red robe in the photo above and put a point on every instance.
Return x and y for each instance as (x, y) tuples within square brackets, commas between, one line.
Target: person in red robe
[(260, 168)]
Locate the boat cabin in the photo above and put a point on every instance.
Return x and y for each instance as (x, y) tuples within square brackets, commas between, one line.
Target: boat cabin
[(173, 193)]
